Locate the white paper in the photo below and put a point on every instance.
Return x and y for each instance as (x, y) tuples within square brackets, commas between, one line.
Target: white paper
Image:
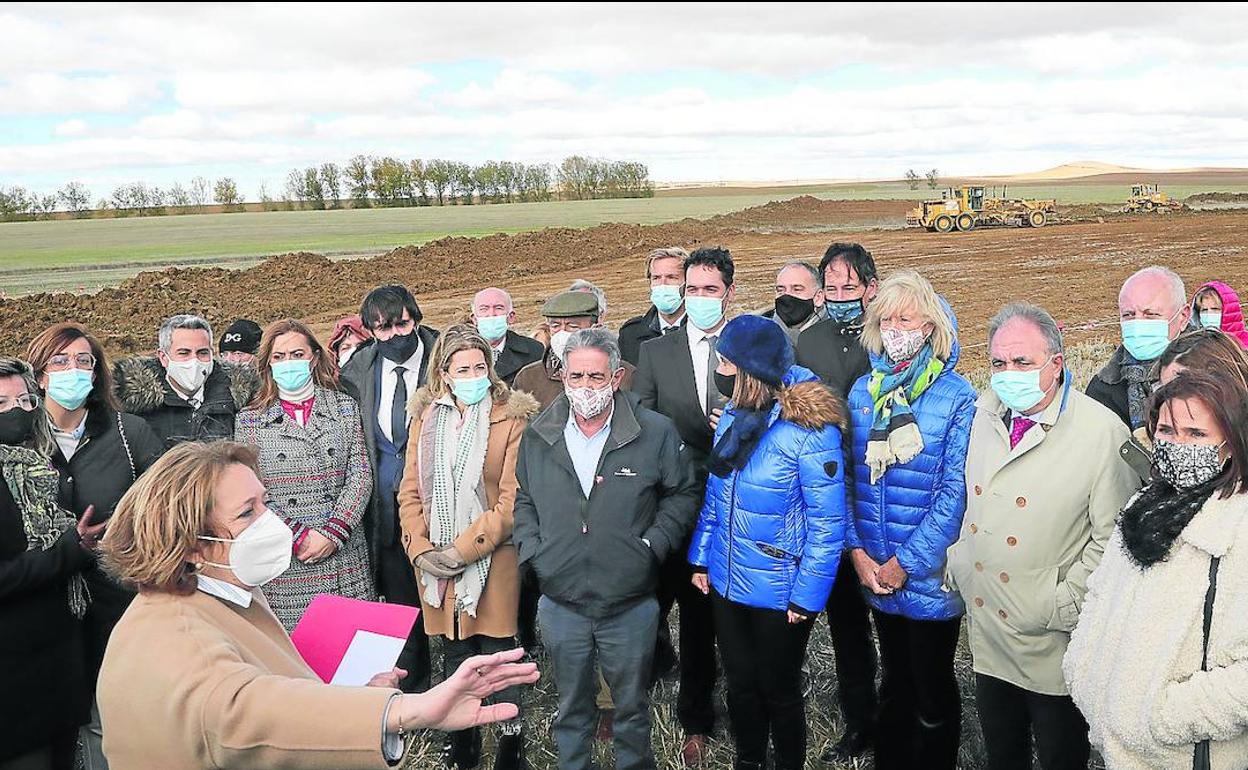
[(368, 655)]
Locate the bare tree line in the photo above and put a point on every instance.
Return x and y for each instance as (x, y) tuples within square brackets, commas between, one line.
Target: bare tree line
[(363, 182)]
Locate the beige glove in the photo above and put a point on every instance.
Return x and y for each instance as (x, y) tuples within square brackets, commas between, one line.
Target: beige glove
[(438, 564)]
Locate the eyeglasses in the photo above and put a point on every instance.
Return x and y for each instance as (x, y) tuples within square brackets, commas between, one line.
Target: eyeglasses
[(63, 361), (27, 401)]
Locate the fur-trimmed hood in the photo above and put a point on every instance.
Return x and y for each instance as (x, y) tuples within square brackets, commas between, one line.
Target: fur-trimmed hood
[(807, 402), (516, 405), (141, 386)]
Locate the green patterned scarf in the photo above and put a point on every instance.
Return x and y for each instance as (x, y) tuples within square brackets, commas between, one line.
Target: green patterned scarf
[(33, 482), (895, 437)]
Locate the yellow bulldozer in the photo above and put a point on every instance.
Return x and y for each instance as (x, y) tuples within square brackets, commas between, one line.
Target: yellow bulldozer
[(1146, 197), (970, 206)]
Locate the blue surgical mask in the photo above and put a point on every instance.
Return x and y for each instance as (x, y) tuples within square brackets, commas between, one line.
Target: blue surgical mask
[(1145, 339), (292, 376), (492, 328), (666, 298), (1019, 391), (705, 312), (1211, 319), (70, 388), (472, 390), (845, 311)]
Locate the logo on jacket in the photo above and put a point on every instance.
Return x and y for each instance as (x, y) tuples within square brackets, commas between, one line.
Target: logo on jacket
[(626, 472)]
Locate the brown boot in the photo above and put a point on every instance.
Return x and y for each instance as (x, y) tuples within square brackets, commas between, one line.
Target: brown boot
[(693, 752)]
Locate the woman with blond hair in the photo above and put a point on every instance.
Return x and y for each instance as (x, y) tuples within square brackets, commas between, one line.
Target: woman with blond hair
[(911, 422), (455, 506), (315, 466), (200, 674)]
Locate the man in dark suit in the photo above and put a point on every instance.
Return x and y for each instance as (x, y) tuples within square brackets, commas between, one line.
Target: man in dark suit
[(381, 377), (831, 350), (675, 377), (665, 269), (494, 314)]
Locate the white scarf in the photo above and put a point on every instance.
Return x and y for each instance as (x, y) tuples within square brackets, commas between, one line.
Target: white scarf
[(456, 491)]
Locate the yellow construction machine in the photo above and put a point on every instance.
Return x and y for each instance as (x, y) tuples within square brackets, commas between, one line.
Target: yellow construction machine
[(1146, 197), (970, 206)]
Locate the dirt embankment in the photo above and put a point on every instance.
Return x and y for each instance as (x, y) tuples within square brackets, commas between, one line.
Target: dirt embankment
[(808, 213), (1074, 270)]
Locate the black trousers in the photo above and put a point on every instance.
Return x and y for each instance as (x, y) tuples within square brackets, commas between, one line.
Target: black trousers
[(456, 651), (396, 581), (698, 670), (763, 655), (920, 721), (1012, 717), (849, 620), (527, 620)]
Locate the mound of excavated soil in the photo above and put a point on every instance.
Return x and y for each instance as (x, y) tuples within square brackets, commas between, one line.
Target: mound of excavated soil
[(301, 285), (1217, 197), (807, 212)]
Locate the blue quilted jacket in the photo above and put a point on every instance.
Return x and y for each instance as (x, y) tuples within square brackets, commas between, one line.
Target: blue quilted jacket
[(914, 512), (771, 534)]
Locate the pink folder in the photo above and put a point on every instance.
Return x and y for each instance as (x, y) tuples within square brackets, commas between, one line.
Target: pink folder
[(332, 625)]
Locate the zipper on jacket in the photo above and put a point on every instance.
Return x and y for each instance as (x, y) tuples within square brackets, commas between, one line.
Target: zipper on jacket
[(732, 510)]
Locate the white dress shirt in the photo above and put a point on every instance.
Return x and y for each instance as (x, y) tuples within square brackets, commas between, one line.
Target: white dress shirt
[(664, 325), (69, 440), (411, 376), (586, 451), (699, 349)]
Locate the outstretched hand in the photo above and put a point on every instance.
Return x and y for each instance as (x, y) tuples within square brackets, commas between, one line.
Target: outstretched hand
[(455, 704)]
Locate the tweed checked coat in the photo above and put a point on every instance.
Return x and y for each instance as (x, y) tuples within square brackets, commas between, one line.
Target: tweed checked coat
[(318, 478)]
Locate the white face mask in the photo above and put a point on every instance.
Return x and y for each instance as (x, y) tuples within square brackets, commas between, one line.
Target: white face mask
[(588, 403), (189, 375), (559, 343), (344, 356), (261, 553), (902, 344)]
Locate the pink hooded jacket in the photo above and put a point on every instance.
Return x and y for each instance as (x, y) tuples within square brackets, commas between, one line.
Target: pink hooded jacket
[(1232, 315)]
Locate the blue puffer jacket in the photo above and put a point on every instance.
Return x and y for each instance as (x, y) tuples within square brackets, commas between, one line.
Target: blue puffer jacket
[(771, 534), (914, 512)]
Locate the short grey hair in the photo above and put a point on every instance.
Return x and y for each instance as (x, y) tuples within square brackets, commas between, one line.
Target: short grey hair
[(185, 321), (1033, 314), (595, 338), (580, 284), (814, 273), (1178, 292)]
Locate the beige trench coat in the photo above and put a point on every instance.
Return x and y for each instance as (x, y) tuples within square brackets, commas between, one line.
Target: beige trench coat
[(1037, 520)]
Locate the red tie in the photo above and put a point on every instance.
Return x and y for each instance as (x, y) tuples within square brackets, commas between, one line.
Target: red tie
[(1019, 429)]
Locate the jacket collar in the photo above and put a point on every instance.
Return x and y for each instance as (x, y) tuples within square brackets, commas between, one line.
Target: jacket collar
[(1214, 529), (1111, 372)]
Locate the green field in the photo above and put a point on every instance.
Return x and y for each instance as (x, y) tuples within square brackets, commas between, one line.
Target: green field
[(86, 254)]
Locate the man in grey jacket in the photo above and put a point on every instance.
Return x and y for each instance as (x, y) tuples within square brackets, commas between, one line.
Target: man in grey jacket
[(604, 496)]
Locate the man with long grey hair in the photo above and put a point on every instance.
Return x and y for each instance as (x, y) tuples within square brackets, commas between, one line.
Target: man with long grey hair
[(1044, 486)]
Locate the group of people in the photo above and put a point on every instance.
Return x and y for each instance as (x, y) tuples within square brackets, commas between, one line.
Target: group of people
[(166, 521)]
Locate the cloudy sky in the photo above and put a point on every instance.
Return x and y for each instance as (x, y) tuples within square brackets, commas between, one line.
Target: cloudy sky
[(111, 93)]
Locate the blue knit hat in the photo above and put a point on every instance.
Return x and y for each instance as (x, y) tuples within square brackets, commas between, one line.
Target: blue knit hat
[(758, 346)]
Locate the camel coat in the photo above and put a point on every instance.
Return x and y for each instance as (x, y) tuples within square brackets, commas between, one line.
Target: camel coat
[(499, 604), (194, 682), (1037, 519)]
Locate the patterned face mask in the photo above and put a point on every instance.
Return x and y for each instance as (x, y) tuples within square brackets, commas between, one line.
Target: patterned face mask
[(1187, 466)]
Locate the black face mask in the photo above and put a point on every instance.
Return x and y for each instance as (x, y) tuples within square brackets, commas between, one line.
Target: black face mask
[(17, 426), (792, 310), (400, 347), (726, 384)]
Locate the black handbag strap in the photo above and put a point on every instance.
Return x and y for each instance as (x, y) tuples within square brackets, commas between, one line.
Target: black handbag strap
[(1202, 760)]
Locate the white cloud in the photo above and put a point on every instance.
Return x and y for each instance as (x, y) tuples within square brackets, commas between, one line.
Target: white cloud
[(515, 88), (71, 127), (336, 89), (58, 94)]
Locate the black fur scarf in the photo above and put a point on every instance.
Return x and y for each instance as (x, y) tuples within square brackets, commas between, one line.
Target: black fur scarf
[(1155, 519)]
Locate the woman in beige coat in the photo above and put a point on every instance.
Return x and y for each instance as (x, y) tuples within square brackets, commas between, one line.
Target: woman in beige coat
[(455, 506), (1159, 660), (199, 672)]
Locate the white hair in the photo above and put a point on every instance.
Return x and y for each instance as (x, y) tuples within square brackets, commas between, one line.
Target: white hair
[(1177, 291), (477, 297), (595, 338), (186, 321)]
